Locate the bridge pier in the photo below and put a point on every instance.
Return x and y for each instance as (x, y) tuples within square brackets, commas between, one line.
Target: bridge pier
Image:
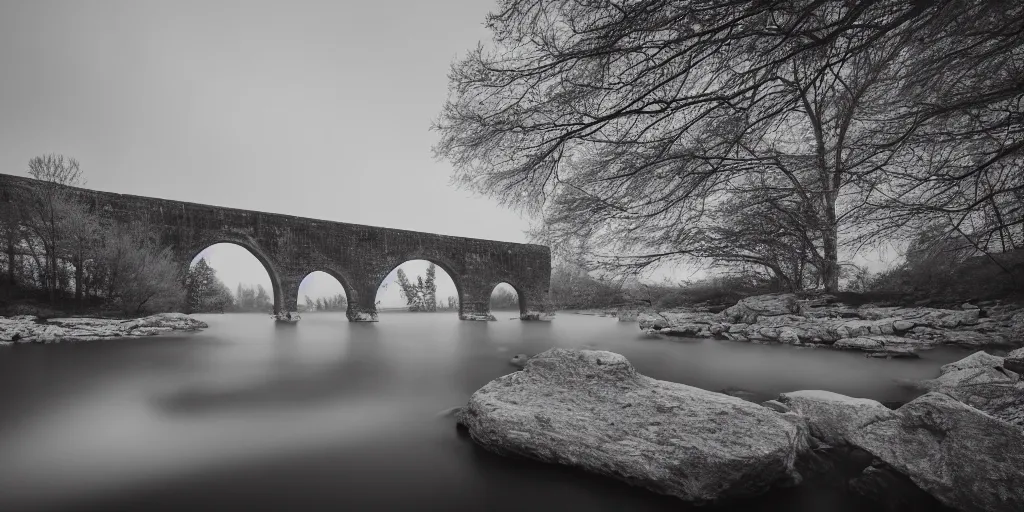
[(474, 300), (535, 304), (287, 302), (358, 313), (362, 303)]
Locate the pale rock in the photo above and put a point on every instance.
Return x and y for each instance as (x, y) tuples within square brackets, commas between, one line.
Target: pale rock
[(751, 309), (832, 416), (982, 381), (965, 458), (592, 410)]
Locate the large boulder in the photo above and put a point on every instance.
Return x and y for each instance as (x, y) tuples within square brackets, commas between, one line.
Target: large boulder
[(965, 458), (982, 381), (750, 309), (832, 416), (592, 410)]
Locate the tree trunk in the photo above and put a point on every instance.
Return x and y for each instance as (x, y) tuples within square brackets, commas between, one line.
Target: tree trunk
[(79, 274), (830, 267), (51, 280), (10, 267)]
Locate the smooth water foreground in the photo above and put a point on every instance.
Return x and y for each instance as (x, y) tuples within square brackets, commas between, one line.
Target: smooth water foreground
[(332, 415)]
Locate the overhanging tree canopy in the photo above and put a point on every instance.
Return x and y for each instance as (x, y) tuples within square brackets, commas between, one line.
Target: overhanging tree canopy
[(657, 129)]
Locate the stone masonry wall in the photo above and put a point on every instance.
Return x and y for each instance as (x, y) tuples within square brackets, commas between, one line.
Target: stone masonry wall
[(360, 257)]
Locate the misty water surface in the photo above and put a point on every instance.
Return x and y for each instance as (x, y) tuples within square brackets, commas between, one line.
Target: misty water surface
[(332, 415)]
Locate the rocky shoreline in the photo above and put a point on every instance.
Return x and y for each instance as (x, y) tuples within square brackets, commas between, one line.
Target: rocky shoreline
[(959, 445), (879, 331), (30, 329)]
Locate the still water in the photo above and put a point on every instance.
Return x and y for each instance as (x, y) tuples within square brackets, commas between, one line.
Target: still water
[(332, 415)]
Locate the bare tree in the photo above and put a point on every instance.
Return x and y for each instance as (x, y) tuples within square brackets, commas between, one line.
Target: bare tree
[(50, 211), (142, 276), (635, 126), (966, 96), (81, 232)]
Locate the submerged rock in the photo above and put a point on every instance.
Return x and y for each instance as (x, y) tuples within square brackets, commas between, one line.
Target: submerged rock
[(892, 491), (519, 360), (533, 316), (965, 458), (478, 317), (592, 410)]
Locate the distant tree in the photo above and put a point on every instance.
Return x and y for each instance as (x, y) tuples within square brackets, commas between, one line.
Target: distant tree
[(250, 298), (82, 239), (408, 290), (430, 288), (262, 299), (503, 298), (573, 287), (421, 296), (205, 291)]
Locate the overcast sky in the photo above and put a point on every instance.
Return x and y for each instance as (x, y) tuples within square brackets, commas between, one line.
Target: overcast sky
[(316, 109)]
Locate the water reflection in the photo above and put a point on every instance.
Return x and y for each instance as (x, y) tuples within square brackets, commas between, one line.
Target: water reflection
[(345, 414)]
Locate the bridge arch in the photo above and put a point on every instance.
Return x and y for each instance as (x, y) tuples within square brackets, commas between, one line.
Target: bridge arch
[(343, 281), (497, 298), (445, 268), (275, 278)]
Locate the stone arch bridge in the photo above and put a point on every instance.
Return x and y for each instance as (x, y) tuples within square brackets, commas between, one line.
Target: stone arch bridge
[(359, 257)]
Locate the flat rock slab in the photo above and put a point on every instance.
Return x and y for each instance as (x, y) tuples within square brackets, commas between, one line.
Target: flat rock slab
[(26, 329), (592, 410)]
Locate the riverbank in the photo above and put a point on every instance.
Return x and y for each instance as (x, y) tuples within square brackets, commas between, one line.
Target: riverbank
[(960, 445), (877, 330), (31, 329)]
